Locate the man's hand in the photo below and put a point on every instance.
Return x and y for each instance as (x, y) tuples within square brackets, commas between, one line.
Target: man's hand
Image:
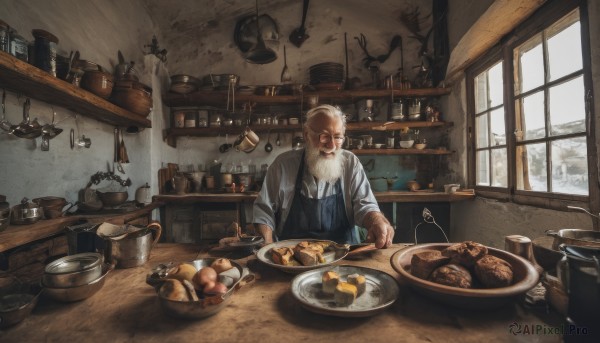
[(379, 230)]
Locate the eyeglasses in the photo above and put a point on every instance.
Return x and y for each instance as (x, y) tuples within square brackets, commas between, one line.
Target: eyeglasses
[(325, 138)]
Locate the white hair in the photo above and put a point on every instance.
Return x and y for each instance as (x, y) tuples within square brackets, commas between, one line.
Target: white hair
[(328, 110)]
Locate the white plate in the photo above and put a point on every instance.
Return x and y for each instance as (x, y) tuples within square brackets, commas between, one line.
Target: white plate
[(264, 255), (381, 292)]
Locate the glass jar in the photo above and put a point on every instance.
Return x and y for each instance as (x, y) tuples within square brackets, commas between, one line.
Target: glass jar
[(190, 119), (45, 47), (19, 47), (4, 37)]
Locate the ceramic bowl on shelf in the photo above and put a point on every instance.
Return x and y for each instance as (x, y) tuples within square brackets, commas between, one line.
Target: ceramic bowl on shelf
[(407, 144), (420, 146)]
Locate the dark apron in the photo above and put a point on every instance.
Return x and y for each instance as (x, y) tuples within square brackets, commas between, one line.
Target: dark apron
[(318, 218)]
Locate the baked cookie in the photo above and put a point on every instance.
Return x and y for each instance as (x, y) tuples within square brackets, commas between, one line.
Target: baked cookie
[(452, 275), (493, 272), (465, 253)]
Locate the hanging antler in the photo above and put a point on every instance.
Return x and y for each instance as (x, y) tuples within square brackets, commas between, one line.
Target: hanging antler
[(362, 42)]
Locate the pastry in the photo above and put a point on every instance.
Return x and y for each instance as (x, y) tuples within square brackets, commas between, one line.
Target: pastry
[(330, 280), (465, 253), (282, 256), (424, 262), (494, 272), (309, 257), (452, 275), (344, 294), (359, 281)]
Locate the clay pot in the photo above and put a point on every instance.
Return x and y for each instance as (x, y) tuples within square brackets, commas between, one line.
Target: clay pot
[(133, 96), (98, 82)]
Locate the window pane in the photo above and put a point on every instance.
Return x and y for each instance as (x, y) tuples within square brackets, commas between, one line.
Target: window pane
[(499, 168), (496, 85), (530, 65), (531, 167), (569, 166), (564, 52), (481, 92), (533, 116), (497, 127), (481, 131), (567, 107), (483, 163)]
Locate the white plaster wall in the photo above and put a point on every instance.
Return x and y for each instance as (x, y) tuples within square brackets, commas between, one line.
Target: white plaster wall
[(485, 220), (98, 29)]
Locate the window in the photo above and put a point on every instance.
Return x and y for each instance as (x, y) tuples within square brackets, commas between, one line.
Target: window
[(527, 108)]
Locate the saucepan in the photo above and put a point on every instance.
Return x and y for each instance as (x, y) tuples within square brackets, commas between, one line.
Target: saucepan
[(247, 141), (578, 237)]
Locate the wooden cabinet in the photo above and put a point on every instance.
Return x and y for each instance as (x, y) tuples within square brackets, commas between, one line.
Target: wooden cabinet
[(26, 79), (198, 222)]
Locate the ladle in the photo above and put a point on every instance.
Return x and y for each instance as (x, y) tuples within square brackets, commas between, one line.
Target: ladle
[(278, 141), (285, 73), (49, 129), (4, 124), (268, 146), (27, 129), (298, 36)]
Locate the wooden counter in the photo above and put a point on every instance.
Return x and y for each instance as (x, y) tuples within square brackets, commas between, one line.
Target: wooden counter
[(17, 235), (126, 309)]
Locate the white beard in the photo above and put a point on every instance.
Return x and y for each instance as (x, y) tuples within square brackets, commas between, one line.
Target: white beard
[(324, 169)]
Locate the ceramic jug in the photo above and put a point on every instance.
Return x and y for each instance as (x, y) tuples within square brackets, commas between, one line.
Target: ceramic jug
[(179, 183), (142, 194)]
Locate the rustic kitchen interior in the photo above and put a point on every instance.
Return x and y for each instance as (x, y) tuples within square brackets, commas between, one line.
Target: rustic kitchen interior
[(136, 114)]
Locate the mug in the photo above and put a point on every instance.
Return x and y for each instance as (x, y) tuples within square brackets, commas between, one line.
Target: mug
[(247, 141)]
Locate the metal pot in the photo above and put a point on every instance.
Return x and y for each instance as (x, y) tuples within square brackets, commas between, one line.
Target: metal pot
[(585, 238), (73, 270), (26, 213), (110, 199), (132, 250)]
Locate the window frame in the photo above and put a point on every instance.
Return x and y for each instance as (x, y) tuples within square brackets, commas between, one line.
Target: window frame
[(545, 17)]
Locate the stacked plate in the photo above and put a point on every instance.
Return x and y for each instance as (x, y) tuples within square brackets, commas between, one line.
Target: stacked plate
[(327, 73)]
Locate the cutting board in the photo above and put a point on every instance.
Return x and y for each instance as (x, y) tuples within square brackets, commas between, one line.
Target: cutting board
[(164, 178)]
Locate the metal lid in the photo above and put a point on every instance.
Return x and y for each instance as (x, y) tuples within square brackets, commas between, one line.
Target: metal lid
[(74, 263)]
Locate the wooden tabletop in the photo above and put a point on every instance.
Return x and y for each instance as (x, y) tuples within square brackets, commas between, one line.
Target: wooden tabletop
[(127, 309)]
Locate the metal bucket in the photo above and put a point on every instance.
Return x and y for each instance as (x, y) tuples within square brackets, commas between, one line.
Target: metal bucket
[(133, 250)]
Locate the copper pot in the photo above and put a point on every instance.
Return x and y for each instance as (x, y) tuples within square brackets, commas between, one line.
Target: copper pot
[(111, 199), (98, 82)]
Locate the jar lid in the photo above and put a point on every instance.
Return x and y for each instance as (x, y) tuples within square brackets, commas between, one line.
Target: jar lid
[(38, 33)]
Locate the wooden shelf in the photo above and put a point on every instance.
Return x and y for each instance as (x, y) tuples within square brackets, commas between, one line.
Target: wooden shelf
[(217, 98), (399, 151), (394, 126), (26, 79)]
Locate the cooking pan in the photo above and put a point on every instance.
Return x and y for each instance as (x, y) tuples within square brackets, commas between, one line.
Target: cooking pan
[(110, 199), (584, 238)]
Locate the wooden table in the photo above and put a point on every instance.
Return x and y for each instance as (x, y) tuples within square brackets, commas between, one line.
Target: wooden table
[(126, 309)]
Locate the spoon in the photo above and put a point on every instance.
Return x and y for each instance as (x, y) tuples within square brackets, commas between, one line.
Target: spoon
[(278, 141), (268, 146), (285, 73)]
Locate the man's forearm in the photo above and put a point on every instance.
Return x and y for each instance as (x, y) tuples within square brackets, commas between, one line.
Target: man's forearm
[(266, 232)]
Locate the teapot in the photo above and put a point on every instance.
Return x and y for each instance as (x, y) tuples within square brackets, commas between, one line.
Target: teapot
[(142, 195)]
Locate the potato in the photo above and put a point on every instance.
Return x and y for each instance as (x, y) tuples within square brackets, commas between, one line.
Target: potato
[(173, 289), (221, 264), (204, 276), (184, 271)]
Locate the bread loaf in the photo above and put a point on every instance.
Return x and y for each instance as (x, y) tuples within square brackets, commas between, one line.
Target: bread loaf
[(452, 275), (494, 272), (424, 262), (282, 256), (344, 294), (465, 253), (330, 280)]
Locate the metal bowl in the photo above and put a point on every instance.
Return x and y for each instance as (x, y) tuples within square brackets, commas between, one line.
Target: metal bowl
[(70, 294), (16, 306), (204, 307), (26, 215), (582, 238), (110, 199), (73, 270)]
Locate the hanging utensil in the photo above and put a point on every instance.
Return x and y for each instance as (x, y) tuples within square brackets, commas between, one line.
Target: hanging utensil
[(285, 73), (278, 141), (4, 124), (124, 156), (298, 36), (260, 54), (268, 146)]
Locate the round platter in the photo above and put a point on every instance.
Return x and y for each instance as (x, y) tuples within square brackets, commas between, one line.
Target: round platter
[(331, 257), (381, 292)]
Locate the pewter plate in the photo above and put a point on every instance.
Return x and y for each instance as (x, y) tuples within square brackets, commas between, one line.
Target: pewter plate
[(331, 257), (381, 292)]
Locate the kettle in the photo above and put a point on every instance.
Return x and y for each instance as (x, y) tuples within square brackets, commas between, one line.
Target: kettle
[(142, 195)]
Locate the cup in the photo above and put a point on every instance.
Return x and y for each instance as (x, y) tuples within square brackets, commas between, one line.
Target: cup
[(451, 188)]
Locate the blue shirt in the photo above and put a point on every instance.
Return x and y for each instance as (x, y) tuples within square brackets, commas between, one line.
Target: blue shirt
[(277, 190)]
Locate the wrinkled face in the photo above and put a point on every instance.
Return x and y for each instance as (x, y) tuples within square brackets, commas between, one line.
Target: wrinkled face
[(324, 137), (325, 134)]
